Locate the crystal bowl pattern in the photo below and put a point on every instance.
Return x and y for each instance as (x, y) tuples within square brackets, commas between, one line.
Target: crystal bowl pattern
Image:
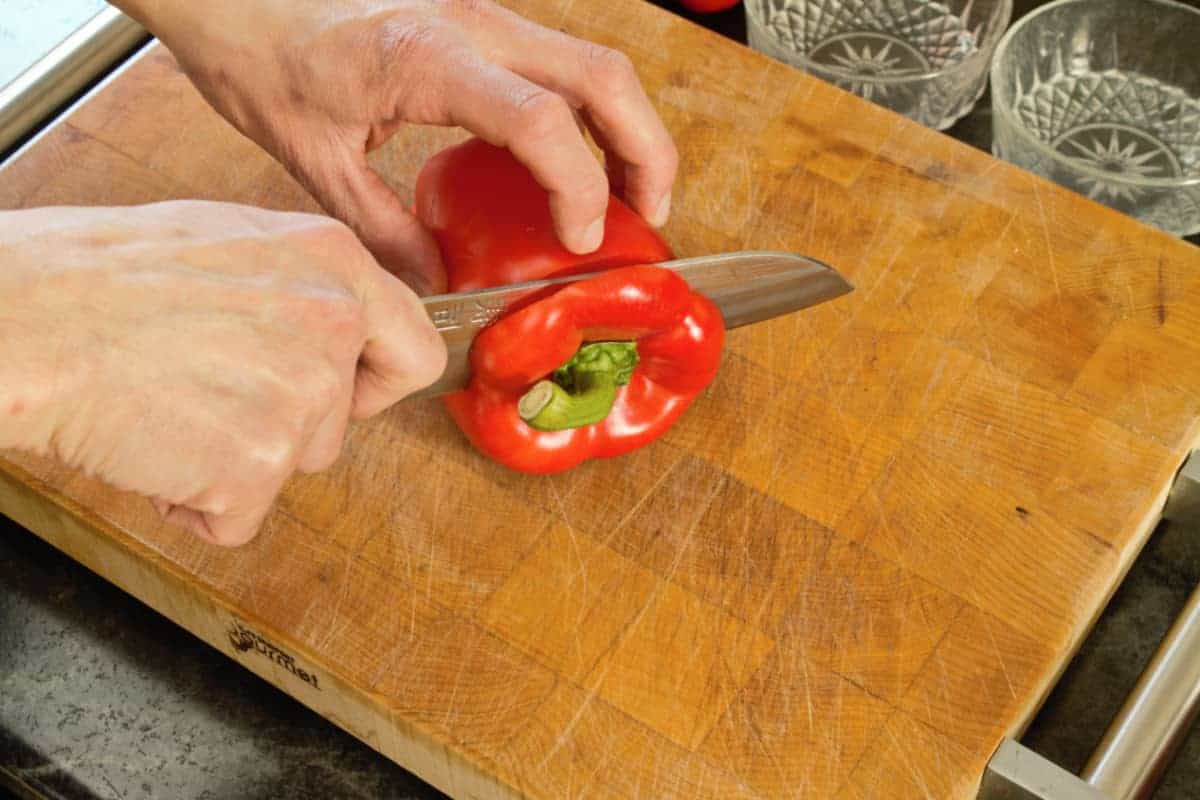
[(1103, 97), (924, 59)]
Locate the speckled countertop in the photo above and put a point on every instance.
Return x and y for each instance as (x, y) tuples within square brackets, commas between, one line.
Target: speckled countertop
[(101, 697)]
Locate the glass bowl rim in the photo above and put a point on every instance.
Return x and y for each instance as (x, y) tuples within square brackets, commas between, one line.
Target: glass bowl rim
[(984, 53), (1022, 131)]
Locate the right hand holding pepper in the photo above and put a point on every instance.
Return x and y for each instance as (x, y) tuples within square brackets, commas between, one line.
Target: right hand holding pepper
[(320, 84), (199, 353)]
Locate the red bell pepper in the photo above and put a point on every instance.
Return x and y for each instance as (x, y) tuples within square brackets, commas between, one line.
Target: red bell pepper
[(595, 369), (492, 223), (707, 6)]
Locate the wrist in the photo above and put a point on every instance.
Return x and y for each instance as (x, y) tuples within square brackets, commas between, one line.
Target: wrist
[(163, 17)]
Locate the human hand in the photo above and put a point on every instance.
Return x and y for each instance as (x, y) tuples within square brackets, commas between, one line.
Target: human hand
[(199, 353), (320, 84)]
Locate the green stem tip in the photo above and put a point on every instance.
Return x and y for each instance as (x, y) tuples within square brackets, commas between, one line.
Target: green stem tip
[(583, 390)]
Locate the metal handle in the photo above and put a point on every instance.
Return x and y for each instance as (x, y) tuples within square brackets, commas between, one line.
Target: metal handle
[(1146, 733), (70, 66)]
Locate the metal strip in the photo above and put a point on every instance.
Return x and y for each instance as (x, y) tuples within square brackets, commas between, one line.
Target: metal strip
[(83, 56), (1017, 773), (1146, 733), (1183, 504), (1157, 716)]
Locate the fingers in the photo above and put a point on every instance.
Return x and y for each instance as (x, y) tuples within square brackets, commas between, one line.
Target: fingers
[(539, 128), (232, 529), (345, 185), (235, 518), (603, 84), (230, 512), (354, 351), (325, 445), (403, 350)]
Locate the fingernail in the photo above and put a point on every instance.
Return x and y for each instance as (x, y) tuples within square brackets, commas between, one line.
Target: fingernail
[(592, 238), (662, 213)]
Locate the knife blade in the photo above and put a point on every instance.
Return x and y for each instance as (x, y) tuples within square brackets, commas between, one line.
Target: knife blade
[(748, 287)]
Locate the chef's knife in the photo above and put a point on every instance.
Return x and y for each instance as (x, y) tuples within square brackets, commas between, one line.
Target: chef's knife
[(748, 287)]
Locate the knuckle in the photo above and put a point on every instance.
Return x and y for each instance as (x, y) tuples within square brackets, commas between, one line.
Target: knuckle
[(591, 190), (334, 230), (343, 252), (400, 39), (324, 308), (540, 114), (467, 7), (219, 501), (269, 455), (344, 319), (311, 234), (606, 66), (331, 235), (322, 389), (178, 207)]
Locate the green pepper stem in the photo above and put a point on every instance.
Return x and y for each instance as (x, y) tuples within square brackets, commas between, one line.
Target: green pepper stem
[(583, 390), (548, 406)]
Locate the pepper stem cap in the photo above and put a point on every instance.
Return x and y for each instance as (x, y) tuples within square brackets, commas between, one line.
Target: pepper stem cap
[(583, 390)]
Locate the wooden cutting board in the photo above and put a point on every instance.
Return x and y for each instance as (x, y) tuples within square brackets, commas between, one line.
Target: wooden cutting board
[(859, 561)]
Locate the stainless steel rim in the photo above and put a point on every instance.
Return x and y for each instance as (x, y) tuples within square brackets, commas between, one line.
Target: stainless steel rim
[(83, 56)]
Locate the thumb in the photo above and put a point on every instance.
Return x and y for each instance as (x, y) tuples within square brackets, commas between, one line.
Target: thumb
[(346, 187)]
